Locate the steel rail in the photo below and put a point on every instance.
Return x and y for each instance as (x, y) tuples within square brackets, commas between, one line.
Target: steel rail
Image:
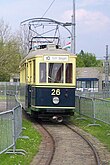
[(87, 141)]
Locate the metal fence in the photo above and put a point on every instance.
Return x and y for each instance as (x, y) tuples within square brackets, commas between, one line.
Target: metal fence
[(97, 109), (8, 90), (6, 131), (100, 94), (11, 125), (11, 119), (8, 86)]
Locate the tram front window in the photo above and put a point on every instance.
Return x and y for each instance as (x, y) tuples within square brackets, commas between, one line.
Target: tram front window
[(56, 73)]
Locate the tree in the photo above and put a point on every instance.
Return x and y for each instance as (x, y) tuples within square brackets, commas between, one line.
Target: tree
[(87, 60), (9, 53), (5, 32), (9, 60), (23, 40)]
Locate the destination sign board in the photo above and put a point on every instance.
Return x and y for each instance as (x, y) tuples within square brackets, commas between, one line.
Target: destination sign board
[(56, 58)]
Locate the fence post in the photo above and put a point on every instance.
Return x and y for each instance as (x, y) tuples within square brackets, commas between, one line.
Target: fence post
[(80, 113), (79, 105), (14, 150), (94, 114)]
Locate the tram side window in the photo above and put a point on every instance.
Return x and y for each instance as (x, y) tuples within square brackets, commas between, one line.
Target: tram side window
[(34, 71), (29, 72), (56, 73), (42, 73), (69, 72)]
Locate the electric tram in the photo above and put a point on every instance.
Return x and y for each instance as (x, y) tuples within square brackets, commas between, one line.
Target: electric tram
[(49, 75), (50, 78)]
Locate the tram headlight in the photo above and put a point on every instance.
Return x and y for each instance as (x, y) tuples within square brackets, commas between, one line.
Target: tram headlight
[(56, 100)]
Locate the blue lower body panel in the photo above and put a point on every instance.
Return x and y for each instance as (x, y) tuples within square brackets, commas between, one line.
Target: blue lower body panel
[(41, 99)]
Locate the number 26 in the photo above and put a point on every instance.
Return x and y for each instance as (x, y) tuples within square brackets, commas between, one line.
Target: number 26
[(55, 92)]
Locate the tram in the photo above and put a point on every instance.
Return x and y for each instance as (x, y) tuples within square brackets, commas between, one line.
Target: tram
[(49, 75)]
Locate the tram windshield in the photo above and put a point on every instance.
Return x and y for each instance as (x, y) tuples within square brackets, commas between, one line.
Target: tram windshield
[(56, 73)]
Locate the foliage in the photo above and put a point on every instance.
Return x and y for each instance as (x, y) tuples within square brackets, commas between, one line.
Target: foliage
[(9, 53), (9, 60), (87, 60)]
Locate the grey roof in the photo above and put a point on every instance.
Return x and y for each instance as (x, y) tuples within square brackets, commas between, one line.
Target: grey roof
[(89, 72), (46, 52)]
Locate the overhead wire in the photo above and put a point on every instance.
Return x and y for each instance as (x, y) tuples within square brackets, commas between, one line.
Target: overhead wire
[(42, 17), (47, 11), (48, 8)]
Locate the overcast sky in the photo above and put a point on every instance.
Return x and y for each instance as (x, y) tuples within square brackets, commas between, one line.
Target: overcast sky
[(92, 19)]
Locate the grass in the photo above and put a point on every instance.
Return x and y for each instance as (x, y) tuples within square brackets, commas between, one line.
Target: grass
[(31, 146), (2, 98), (101, 132)]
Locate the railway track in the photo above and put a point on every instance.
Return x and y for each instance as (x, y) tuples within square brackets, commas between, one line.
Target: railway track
[(63, 145), (93, 149), (46, 153)]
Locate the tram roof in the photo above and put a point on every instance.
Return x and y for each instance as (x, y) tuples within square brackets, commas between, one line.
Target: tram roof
[(40, 52)]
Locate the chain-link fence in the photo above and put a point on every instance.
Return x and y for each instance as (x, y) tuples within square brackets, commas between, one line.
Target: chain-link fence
[(98, 109)]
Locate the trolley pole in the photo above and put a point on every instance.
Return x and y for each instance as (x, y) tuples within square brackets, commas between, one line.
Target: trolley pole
[(73, 37)]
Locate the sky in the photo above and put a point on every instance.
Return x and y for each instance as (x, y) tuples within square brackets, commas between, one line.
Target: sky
[(92, 19)]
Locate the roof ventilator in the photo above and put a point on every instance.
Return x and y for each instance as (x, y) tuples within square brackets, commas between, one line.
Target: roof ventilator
[(51, 46)]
